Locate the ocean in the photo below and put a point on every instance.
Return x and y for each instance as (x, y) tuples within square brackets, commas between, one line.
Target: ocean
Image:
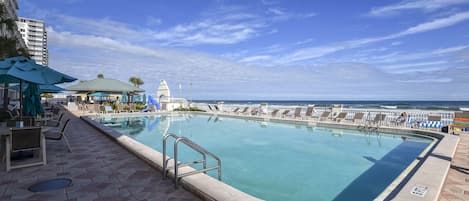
[(422, 105)]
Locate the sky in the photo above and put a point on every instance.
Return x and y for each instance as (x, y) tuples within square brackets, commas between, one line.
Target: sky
[(265, 49)]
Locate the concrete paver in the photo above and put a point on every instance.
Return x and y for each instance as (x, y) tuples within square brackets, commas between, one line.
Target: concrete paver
[(456, 187), (100, 170)]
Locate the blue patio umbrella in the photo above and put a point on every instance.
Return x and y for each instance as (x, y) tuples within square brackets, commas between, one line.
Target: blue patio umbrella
[(21, 69), (43, 88), (124, 97), (50, 88), (101, 95), (32, 101), (17, 69), (98, 94)]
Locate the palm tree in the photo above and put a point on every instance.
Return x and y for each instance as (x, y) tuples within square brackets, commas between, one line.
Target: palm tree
[(136, 81)]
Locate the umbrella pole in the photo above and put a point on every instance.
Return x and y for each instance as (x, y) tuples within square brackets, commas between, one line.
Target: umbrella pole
[(21, 99)]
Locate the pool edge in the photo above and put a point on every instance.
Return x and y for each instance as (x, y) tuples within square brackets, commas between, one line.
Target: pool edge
[(202, 185), (439, 157)]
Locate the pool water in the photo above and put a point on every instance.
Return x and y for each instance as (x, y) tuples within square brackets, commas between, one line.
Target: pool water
[(279, 161)]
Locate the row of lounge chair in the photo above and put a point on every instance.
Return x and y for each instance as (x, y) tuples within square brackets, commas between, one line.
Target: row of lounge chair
[(432, 121)]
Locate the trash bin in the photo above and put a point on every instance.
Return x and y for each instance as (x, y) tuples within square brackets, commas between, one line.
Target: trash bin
[(444, 129)]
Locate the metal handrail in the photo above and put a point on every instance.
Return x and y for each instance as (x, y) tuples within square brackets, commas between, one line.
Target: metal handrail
[(177, 165)]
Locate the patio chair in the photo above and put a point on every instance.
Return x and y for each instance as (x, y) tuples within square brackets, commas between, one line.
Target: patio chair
[(54, 123), (108, 109), (133, 108), (14, 113), (297, 112), (274, 112), (96, 108), (324, 115), (59, 134), (432, 122), (285, 113), (340, 117), (120, 108), (25, 139)]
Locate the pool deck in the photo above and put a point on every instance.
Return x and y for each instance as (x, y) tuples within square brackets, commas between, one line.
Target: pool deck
[(100, 170), (456, 187)]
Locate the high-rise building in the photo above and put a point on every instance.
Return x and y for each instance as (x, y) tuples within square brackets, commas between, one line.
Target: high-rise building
[(35, 36)]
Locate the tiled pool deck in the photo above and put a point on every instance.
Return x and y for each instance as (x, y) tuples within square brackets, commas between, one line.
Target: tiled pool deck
[(100, 170), (456, 187)]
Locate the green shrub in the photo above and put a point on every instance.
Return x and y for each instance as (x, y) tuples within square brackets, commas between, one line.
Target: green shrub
[(191, 109)]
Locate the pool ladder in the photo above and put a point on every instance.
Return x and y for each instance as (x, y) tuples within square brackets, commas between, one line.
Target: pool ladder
[(178, 165)]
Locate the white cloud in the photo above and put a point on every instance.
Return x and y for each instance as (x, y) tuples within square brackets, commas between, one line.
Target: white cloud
[(255, 58), (431, 80), (315, 52), (153, 21), (426, 5), (413, 65)]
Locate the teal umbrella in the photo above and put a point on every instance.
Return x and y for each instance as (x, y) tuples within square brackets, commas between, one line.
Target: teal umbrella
[(43, 88), (98, 94), (16, 69), (50, 88), (124, 97), (20, 69), (32, 101), (144, 98)]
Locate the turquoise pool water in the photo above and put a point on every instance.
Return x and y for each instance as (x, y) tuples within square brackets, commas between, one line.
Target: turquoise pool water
[(278, 161)]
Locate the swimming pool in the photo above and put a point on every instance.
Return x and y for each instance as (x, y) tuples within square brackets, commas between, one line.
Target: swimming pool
[(279, 161)]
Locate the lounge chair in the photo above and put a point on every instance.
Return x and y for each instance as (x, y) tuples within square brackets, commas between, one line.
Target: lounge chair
[(216, 108), (324, 115), (59, 134), (244, 110), (340, 117), (254, 111), (358, 117), (379, 118), (236, 110), (210, 107), (25, 139), (285, 113), (274, 112), (432, 122), (297, 112), (309, 111)]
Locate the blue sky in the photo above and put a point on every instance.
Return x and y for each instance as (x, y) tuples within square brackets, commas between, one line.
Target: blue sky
[(266, 49)]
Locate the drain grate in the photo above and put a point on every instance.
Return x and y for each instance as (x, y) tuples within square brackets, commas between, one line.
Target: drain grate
[(419, 190), (51, 184)]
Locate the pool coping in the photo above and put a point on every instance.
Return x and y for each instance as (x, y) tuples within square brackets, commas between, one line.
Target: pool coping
[(201, 185), (436, 163)]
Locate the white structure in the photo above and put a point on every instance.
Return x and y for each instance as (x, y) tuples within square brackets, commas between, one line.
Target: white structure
[(35, 36), (167, 103)]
